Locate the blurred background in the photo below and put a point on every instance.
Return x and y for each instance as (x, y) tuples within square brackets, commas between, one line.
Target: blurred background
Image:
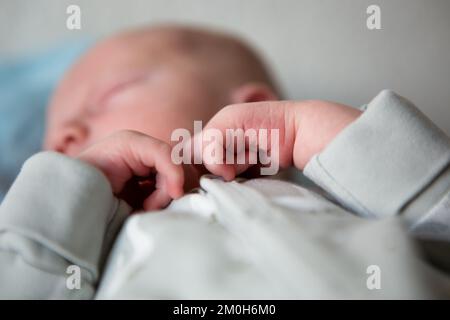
[(315, 48)]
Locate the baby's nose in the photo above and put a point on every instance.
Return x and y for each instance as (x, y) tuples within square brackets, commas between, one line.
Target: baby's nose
[(71, 138)]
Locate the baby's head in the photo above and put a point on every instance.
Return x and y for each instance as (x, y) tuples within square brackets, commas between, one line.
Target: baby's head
[(152, 80)]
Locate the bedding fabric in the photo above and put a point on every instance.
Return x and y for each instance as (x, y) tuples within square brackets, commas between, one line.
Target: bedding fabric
[(265, 239), (25, 87)]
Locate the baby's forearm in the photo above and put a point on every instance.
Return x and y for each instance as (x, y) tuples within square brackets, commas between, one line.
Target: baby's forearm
[(392, 160), (59, 219)]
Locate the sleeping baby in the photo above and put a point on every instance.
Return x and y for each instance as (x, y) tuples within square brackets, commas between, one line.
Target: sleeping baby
[(109, 153), (152, 81)]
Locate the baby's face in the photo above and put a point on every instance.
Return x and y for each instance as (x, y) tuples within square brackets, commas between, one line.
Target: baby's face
[(133, 82)]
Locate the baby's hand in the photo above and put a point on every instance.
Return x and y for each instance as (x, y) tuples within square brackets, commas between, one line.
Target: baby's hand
[(131, 161), (305, 128)]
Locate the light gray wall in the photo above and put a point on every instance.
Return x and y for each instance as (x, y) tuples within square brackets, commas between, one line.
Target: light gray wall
[(317, 48)]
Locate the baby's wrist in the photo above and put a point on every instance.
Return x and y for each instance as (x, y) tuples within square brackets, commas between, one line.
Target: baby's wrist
[(317, 123)]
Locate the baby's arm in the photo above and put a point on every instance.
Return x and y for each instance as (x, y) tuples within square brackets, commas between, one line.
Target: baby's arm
[(389, 159), (56, 214), (62, 212)]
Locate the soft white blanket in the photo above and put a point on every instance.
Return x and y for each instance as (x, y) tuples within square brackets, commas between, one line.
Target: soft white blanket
[(265, 239)]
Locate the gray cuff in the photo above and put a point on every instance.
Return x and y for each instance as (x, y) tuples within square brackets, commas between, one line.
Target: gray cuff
[(384, 160), (64, 205)]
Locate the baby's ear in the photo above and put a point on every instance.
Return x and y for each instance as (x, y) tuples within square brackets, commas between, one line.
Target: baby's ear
[(253, 92)]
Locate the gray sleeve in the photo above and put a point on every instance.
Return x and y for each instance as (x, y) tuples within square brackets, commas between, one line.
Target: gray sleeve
[(392, 160), (60, 212)]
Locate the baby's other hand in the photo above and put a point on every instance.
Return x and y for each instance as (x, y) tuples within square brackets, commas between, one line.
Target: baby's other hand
[(247, 118), (139, 168), (305, 129)]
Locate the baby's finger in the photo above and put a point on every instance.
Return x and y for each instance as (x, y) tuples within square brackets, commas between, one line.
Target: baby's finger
[(157, 200), (214, 158), (159, 157), (226, 171)]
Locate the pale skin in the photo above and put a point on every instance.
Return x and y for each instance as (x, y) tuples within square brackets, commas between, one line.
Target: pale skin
[(117, 107), (306, 128)]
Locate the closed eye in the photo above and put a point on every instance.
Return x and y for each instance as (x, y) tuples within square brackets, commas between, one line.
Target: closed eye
[(117, 88), (102, 96)]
